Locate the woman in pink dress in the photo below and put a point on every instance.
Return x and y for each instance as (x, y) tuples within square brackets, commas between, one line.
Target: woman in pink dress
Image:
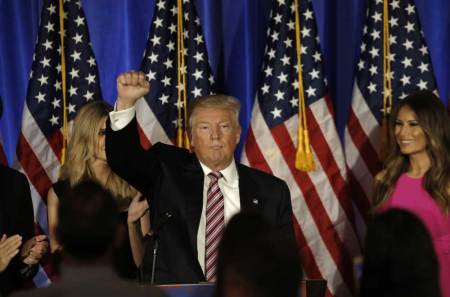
[(416, 176)]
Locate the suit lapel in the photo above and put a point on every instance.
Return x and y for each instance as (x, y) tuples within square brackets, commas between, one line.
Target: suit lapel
[(248, 191)]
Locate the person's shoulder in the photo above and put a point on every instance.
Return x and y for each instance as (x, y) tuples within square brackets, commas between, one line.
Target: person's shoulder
[(62, 183), (9, 174), (161, 146), (171, 151), (259, 174), (61, 187)]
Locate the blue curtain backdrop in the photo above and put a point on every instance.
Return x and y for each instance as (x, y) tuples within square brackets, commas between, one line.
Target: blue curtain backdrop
[(235, 38)]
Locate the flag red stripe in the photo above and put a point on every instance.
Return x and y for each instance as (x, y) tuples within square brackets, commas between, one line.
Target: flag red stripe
[(254, 155), (323, 222), (145, 142), (55, 141), (257, 160), (307, 258), (306, 255), (359, 196), (33, 168), (2, 155), (362, 143), (329, 165), (330, 106)]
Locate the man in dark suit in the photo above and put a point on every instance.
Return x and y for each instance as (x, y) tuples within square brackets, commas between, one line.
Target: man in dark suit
[(180, 184), (17, 261)]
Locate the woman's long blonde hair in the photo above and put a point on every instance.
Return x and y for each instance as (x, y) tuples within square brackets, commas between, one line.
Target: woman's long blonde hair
[(81, 151), (434, 121)]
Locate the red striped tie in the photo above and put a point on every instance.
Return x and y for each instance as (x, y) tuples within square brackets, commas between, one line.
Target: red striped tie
[(214, 225)]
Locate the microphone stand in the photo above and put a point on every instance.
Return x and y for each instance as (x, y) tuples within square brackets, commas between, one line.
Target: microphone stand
[(153, 237), (155, 253), (141, 275)]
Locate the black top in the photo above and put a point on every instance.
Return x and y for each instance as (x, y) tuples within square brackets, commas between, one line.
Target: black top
[(122, 257), (61, 188)]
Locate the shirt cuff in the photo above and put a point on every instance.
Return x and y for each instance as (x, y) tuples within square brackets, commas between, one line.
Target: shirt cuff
[(119, 119)]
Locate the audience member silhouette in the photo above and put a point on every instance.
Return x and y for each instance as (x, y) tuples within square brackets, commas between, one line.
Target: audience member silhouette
[(20, 250), (256, 261), (399, 258), (89, 230)]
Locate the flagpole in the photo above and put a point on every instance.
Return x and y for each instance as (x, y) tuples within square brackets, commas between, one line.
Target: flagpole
[(63, 81)]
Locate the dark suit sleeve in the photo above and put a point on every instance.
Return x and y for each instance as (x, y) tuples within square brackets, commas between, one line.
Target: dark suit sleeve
[(25, 217), (274, 195), (25, 224), (18, 218), (129, 160)]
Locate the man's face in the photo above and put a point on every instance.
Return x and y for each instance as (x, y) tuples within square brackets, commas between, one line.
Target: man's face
[(214, 136)]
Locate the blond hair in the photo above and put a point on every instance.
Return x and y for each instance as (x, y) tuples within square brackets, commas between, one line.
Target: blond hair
[(81, 151), (214, 101)]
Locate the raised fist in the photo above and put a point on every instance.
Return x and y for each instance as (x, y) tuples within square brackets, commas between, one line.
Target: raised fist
[(131, 86)]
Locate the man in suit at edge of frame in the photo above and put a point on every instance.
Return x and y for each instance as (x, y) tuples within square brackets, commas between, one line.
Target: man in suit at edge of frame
[(178, 182), (20, 250)]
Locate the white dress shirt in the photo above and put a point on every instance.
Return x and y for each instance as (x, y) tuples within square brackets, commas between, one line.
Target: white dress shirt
[(228, 184), (119, 119)]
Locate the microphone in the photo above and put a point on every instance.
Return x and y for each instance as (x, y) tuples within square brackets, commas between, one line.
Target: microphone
[(166, 217), (153, 236)]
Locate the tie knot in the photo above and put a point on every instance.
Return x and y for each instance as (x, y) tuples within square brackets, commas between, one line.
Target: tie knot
[(214, 175)]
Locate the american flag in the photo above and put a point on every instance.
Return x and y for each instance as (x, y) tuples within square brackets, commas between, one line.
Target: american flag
[(322, 212), (410, 70), (158, 115), (41, 138)]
